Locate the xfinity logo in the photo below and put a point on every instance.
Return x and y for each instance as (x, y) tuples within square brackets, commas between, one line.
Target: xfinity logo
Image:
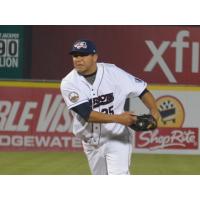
[(179, 46)]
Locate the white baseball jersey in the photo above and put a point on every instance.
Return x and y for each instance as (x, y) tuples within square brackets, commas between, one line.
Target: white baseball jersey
[(107, 94)]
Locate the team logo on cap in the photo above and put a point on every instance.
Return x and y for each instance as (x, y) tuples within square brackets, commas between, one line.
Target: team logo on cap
[(80, 45), (73, 97)]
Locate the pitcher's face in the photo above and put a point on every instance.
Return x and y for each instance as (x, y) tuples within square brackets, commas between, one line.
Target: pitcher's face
[(85, 64)]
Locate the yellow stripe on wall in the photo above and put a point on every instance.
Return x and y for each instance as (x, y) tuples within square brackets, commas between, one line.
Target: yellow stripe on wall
[(27, 84), (186, 88), (32, 84)]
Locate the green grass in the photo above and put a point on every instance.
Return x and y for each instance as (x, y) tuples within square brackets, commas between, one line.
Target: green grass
[(148, 164), (64, 163)]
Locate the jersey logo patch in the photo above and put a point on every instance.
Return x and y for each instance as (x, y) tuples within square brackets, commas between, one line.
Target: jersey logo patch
[(102, 100), (73, 97)]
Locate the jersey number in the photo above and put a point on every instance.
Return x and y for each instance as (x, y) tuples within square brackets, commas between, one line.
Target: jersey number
[(108, 110)]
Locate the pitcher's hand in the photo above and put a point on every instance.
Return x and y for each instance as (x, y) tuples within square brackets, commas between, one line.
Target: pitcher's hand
[(126, 118)]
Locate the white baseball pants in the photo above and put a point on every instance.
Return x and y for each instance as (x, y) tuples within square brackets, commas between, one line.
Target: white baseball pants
[(111, 158)]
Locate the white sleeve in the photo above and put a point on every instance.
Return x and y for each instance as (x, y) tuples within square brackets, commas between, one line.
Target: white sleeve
[(130, 84), (72, 95), (137, 86)]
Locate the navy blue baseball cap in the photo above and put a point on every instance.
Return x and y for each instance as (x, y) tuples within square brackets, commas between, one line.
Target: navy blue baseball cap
[(83, 47)]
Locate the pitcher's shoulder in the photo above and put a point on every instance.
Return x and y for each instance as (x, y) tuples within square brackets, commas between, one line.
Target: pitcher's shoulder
[(70, 78), (108, 66)]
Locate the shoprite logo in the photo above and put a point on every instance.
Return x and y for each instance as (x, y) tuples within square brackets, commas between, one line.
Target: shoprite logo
[(171, 111), (168, 138)]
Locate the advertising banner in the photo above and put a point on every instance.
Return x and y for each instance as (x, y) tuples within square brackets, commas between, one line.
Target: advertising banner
[(34, 117), (168, 139), (178, 128), (157, 54), (11, 51)]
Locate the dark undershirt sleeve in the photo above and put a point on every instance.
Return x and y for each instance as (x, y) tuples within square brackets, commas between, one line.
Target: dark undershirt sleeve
[(83, 110), (144, 92)]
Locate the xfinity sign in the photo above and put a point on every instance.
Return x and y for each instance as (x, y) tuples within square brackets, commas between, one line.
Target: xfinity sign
[(180, 44)]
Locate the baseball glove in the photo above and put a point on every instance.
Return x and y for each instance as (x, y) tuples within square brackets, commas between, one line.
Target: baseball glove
[(144, 123)]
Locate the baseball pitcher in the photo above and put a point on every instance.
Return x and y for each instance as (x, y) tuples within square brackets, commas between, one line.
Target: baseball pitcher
[(95, 94)]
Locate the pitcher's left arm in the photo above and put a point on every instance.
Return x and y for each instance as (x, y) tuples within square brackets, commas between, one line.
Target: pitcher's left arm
[(149, 101)]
